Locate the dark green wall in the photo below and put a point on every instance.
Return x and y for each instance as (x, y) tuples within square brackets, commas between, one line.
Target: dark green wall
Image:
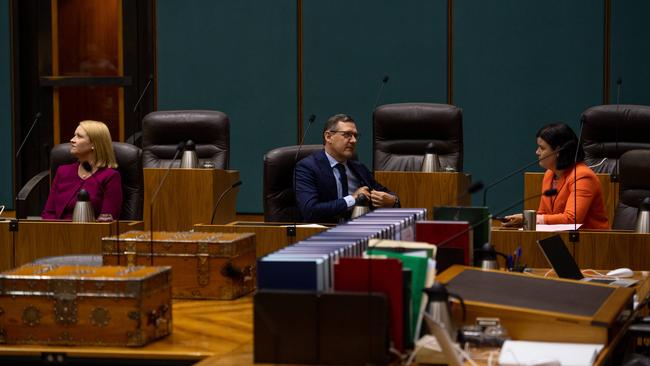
[(517, 66), (238, 57), (6, 163)]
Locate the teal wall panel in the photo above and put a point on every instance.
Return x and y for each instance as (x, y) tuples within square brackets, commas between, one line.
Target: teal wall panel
[(630, 53), (348, 47), (6, 163), (238, 57), (517, 66)]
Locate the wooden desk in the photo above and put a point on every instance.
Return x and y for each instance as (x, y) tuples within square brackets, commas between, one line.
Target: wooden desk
[(6, 246), (596, 249), (201, 329), (269, 237), (187, 197), (417, 189), (533, 186)]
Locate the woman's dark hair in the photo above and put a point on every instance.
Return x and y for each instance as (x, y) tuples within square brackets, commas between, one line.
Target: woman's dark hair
[(560, 136)]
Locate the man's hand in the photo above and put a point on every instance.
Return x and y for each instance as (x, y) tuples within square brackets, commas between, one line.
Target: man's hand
[(382, 199), (365, 191)]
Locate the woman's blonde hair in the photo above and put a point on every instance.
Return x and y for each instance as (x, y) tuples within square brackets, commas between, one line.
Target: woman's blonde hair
[(100, 137)]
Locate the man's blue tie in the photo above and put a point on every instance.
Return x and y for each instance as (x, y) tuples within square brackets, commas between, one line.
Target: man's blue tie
[(343, 178)]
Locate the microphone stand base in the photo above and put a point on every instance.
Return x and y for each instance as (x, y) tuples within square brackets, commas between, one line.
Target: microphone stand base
[(574, 236)]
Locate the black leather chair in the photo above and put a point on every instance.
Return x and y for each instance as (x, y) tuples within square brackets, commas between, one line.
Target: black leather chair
[(402, 131), (129, 161), (611, 130), (634, 187), (279, 197), (163, 130)]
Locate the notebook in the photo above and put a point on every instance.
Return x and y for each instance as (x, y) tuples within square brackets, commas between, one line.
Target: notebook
[(565, 266)]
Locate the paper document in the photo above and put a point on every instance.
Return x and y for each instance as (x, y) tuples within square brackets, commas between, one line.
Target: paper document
[(533, 353), (558, 227)]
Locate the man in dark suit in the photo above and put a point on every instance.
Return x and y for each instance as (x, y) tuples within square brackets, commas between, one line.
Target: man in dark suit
[(329, 182)]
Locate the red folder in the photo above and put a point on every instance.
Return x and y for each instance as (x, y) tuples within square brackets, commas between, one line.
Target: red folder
[(376, 275), (436, 232)]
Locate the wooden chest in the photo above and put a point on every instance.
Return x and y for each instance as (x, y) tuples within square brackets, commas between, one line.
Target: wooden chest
[(205, 265), (84, 305)]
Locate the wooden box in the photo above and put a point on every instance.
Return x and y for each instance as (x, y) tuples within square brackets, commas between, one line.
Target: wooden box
[(205, 265), (84, 305)]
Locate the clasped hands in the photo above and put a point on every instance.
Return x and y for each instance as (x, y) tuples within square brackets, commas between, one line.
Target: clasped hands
[(378, 198)]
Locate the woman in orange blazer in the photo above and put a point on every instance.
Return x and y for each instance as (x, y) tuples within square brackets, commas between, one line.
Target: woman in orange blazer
[(556, 151)]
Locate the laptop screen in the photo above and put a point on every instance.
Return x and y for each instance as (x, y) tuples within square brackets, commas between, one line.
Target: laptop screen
[(559, 258)]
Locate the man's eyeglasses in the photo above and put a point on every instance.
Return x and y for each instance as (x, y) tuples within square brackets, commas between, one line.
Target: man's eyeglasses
[(346, 134)]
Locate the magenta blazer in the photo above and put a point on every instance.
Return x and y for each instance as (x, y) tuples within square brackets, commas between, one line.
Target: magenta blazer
[(104, 188)]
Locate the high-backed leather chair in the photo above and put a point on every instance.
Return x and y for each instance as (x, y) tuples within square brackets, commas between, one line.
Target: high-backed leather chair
[(279, 197), (163, 130), (402, 131), (611, 130), (129, 161), (634, 187)]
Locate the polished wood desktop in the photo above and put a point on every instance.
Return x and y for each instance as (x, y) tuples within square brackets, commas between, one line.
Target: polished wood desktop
[(188, 197), (417, 189), (269, 236), (595, 249), (201, 329), (533, 186)]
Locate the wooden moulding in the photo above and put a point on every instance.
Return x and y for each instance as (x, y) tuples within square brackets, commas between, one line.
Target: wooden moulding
[(205, 265), (85, 305), (550, 314)]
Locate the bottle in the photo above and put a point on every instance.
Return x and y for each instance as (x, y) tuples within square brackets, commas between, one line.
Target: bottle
[(643, 217), (430, 163), (83, 210), (361, 207), (439, 310), (189, 159)]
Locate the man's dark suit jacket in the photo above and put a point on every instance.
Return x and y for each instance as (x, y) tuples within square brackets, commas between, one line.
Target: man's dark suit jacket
[(316, 188)]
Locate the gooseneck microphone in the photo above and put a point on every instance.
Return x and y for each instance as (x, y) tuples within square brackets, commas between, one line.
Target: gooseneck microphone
[(548, 193), (179, 148), (37, 116), (223, 194), (619, 87), (19, 211), (384, 81), (574, 236), (144, 91), (519, 170)]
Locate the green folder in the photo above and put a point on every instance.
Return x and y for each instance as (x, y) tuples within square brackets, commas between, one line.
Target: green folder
[(418, 266)]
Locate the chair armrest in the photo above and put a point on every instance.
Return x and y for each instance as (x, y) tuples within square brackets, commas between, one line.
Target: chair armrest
[(29, 187)]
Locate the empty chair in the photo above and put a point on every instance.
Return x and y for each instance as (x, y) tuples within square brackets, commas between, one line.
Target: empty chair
[(634, 187), (401, 133), (611, 130), (279, 197), (163, 130)]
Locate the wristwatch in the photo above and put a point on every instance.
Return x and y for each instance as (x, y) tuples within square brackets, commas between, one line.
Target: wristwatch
[(397, 203)]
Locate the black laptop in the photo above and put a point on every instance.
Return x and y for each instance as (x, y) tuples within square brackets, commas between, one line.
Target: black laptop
[(565, 266)]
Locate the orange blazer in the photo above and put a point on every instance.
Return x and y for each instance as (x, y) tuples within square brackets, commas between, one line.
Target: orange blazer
[(560, 209)]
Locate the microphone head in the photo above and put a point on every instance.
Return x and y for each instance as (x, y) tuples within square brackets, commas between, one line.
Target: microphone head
[(385, 79), (83, 196), (431, 148), (190, 146), (180, 146), (312, 118), (475, 187), (550, 192), (237, 184), (619, 81), (38, 115), (87, 167)]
